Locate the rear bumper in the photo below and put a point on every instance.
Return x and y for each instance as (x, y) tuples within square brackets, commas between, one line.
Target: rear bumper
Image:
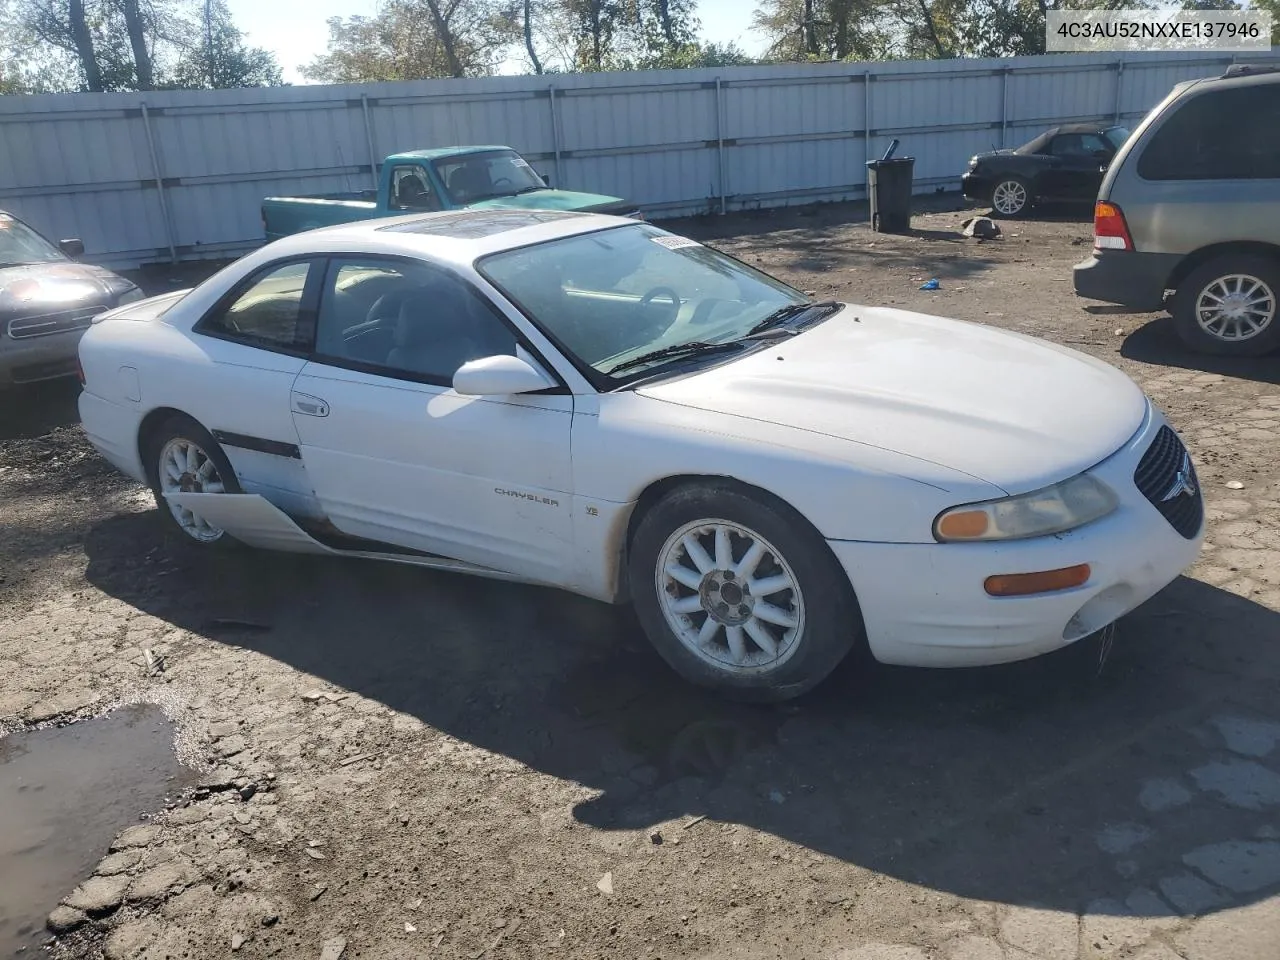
[(112, 428), (38, 358), (1134, 280), (924, 605)]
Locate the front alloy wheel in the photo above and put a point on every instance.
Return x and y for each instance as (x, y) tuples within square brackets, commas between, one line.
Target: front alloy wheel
[(729, 596), (1010, 197), (739, 593)]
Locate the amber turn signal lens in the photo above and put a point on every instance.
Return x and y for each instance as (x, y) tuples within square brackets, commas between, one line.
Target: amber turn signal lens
[(1047, 581), (963, 526)]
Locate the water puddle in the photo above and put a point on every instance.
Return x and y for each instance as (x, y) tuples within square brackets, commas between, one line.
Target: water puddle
[(64, 795)]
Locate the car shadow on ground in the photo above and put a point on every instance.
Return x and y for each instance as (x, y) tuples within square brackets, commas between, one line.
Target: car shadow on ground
[(1157, 343), (33, 410), (1036, 783)]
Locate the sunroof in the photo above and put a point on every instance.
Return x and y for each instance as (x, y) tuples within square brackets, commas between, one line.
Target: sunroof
[(474, 224)]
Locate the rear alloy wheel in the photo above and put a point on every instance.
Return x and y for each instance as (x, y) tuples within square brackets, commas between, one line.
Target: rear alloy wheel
[(186, 459), (740, 596), (1010, 197), (1229, 306)]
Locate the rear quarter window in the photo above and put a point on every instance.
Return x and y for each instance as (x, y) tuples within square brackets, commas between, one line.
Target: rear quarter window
[(1229, 134)]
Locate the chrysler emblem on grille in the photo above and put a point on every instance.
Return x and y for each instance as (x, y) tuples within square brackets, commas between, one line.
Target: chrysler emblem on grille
[(1184, 482)]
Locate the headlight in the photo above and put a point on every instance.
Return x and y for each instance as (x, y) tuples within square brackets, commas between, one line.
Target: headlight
[(132, 295), (1063, 506)]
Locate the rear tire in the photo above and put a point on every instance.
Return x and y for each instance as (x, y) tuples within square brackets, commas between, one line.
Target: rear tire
[(1230, 306), (741, 595), (181, 455), (1011, 197)]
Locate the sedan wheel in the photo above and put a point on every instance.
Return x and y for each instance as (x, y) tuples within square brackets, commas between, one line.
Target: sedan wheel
[(186, 459), (1010, 197), (1229, 306), (739, 593), (730, 596)]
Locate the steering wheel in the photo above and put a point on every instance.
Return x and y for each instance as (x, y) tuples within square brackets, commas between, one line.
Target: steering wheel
[(669, 314), (501, 180)]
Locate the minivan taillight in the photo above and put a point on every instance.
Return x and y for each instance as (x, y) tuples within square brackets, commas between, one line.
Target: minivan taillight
[(1110, 231)]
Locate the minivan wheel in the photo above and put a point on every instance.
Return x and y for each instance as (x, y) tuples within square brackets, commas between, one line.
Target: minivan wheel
[(739, 595), (1010, 197), (1229, 306)]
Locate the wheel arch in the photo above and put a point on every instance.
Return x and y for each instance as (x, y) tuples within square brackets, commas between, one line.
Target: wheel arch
[(150, 423), (1193, 261), (659, 488)]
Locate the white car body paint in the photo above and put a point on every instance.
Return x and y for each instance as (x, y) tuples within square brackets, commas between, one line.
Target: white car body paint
[(868, 425)]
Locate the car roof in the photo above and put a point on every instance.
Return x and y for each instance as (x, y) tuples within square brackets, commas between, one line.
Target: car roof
[(435, 153), (458, 237)]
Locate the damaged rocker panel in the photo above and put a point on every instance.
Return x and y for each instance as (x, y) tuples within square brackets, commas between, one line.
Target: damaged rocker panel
[(253, 520)]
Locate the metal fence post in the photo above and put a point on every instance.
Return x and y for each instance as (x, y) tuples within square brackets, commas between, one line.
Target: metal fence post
[(866, 129), (368, 138), (1119, 87), (555, 132), (1004, 104), (155, 169), (720, 142)]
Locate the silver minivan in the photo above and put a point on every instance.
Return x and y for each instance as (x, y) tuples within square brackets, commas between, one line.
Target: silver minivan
[(1188, 215)]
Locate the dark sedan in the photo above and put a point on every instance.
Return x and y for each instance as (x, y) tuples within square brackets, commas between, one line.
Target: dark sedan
[(47, 300), (1062, 164)]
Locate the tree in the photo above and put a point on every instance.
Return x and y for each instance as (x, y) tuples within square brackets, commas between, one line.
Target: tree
[(1010, 28), (824, 29), (221, 59), (417, 39)]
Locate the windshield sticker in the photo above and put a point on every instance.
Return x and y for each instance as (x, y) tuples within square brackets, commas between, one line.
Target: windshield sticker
[(675, 243), (520, 162)]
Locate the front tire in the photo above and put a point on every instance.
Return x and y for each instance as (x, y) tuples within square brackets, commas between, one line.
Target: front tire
[(1011, 197), (182, 456), (1229, 306), (739, 594)]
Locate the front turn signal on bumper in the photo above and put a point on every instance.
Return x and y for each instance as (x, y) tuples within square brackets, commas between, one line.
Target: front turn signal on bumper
[(1046, 581)]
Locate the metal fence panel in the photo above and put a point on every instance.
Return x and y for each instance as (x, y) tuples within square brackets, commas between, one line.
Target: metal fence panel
[(181, 174)]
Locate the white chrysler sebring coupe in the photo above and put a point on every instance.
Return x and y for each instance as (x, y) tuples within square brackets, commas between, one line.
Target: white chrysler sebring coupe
[(595, 404)]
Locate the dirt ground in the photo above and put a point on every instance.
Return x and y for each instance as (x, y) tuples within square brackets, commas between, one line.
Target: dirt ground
[(401, 764)]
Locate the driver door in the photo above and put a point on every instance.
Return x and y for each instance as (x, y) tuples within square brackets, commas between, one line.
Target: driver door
[(396, 455)]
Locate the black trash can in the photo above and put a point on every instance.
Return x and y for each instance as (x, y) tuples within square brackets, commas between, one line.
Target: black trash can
[(889, 188)]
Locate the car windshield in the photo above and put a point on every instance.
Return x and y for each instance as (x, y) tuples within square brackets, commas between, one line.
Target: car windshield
[(616, 295), (1117, 136), (481, 176), (20, 244)]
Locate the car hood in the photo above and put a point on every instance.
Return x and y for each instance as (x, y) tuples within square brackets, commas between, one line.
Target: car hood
[(1010, 410), (558, 200), (36, 289)]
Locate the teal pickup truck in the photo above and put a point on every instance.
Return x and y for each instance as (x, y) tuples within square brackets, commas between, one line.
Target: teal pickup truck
[(448, 178)]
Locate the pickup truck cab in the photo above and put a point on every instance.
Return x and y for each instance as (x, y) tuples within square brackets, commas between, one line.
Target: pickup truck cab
[(448, 178)]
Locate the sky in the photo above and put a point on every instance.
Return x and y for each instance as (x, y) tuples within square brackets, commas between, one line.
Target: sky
[(295, 31)]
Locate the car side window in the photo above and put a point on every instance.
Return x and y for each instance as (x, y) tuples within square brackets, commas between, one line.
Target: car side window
[(402, 318), (1076, 146), (410, 189), (268, 312), (1207, 139)]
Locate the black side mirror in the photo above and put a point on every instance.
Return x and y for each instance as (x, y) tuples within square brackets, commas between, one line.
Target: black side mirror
[(72, 248)]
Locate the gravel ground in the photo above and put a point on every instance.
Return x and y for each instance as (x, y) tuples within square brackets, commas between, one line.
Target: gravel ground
[(395, 763)]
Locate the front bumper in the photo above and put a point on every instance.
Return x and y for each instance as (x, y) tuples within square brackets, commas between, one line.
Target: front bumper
[(1135, 280), (924, 604), (29, 360), (975, 187)]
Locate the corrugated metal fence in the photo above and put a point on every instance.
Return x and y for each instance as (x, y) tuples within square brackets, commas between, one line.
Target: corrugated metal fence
[(180, 174)]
